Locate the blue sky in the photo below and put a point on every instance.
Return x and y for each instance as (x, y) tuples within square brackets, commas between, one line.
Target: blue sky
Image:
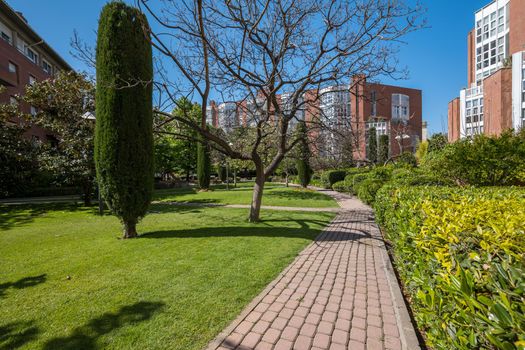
[(435, 57)]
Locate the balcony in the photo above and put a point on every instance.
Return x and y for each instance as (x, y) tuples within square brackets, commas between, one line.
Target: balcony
[(474, 91)]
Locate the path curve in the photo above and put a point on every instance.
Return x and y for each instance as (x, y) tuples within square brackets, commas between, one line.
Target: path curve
[(339, 293)]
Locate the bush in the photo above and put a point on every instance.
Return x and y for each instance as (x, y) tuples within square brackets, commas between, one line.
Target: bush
[(459, 252), (367, 189), (340, 186), (416, 177), (407, 159), (330, 177), (481, 161), (353, 181)]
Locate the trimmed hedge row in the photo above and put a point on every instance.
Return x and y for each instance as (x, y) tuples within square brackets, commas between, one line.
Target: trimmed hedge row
[(330, 177), (460, 254)]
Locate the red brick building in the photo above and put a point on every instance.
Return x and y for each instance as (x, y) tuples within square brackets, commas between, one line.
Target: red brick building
[(24, 58), (352, 109), (495, 98)]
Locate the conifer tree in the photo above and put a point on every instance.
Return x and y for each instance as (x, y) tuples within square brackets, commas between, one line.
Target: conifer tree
[(124, 120), (304, 171), (203, 164)]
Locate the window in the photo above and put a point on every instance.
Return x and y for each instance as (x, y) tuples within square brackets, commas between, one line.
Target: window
[(31, 55), (6, 37), (5, 33), (47, 67), (33, 111), (400, 106), (13, 101), (12, 67), (32, 80), (374, 103)]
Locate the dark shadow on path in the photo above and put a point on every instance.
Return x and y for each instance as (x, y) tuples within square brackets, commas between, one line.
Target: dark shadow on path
[(16, 334), (23, 283), (85, 337)]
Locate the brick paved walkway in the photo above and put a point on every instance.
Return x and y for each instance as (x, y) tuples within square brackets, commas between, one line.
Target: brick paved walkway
[(339, 293)]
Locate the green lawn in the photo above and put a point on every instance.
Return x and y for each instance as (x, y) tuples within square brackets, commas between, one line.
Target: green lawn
[(277, 195), (68, 282)]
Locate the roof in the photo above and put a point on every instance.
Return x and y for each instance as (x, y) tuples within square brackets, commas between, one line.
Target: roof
[(31, 33)]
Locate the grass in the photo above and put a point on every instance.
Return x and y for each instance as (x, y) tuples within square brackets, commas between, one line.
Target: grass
[(67, 282), (274, 195)]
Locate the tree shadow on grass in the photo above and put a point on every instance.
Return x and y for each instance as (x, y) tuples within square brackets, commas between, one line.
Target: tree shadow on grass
[(85, 337), (23, 214), (23, 283), (264, 228), (16, 334)]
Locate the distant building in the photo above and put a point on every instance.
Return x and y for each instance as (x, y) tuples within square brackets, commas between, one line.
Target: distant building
[(24, 59), (495, 98), (424, 132), (345, 111)]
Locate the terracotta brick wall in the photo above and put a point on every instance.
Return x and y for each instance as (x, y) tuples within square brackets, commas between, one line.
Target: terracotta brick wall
[(517, 26), (16, 83), (497, 97), (453, 120)]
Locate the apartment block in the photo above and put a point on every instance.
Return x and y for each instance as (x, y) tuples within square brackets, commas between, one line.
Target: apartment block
[(24, 59), (495, 97), (337, 113)]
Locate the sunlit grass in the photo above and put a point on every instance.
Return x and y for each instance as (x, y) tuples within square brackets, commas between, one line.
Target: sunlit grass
[(68, 282)]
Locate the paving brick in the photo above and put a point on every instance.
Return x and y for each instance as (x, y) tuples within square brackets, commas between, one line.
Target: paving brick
[(290, 333), (271, 335), (250, 340), (340, 336), (264, 346), (334, 296), (321, 340), (303, 343), (260, 327), (283, 344), (325, 327), (308, 329)]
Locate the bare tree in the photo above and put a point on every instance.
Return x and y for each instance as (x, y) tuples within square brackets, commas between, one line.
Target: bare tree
[(254, 52)]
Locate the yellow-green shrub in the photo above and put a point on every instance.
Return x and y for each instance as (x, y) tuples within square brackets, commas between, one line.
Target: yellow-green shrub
[(460, 254)]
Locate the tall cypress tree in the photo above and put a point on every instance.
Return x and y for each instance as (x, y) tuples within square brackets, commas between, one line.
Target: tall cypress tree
[(304, 171), (372, 145), (203, 164), (383, 150), (124, 125)]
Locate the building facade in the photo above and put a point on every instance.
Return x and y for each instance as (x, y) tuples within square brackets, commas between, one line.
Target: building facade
[(495, 97), (343, 113), (24, 59)]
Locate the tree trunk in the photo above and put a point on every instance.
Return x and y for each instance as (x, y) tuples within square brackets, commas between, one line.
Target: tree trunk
[(130, 229), (86, 196), (255, 208)]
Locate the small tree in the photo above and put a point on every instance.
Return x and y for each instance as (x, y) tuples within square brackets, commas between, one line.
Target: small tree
[(203, 164), (124, 137), (372, 145), (304, 171), (347, 150), (17, 154), (384, 147), (64, 106)]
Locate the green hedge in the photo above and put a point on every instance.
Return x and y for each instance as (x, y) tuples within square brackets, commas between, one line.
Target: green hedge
[(460, 254), (330, 177), (340, 186)]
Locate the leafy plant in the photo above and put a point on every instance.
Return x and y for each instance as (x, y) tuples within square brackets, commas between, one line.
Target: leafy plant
[(459, 252)]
